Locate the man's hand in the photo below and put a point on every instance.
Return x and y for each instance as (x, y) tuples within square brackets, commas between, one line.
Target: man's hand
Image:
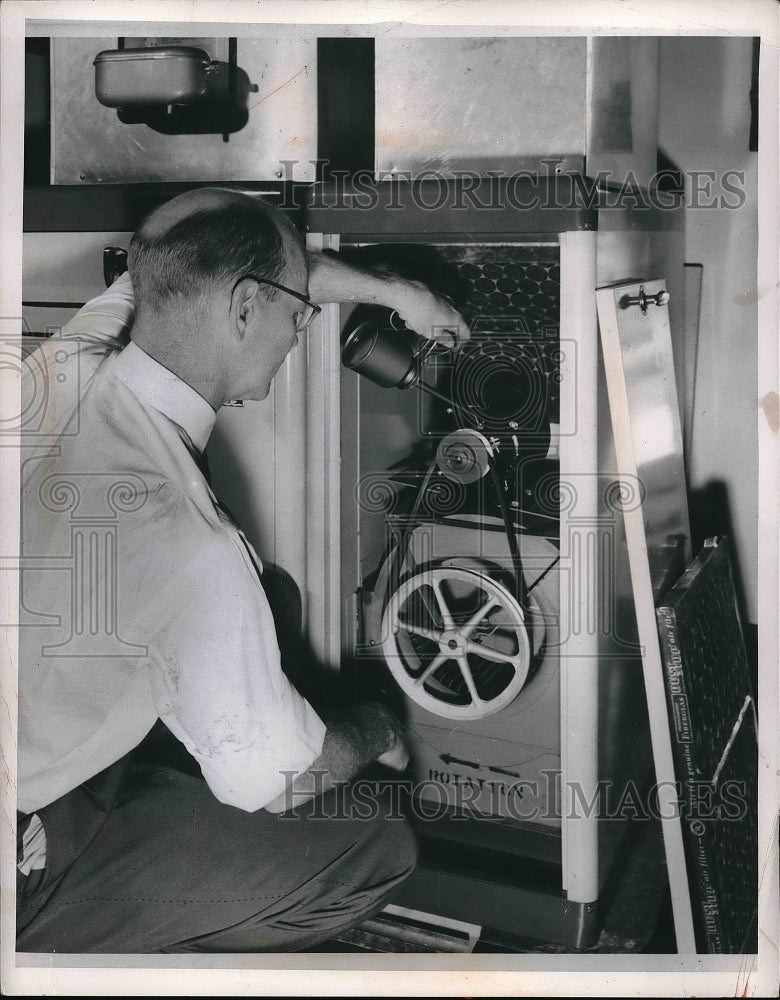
[(428, 314), (396, 758), (334, 280)]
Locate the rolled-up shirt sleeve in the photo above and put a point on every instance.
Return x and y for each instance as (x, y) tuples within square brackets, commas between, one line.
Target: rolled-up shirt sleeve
[(217, 677)]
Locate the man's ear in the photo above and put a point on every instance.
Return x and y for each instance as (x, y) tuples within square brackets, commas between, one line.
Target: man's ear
[(244, 301)]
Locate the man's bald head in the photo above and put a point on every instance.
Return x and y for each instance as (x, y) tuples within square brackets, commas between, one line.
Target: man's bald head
[(173, 211), (202, 239)]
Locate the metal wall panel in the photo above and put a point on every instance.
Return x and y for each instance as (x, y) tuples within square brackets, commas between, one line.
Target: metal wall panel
[(646, 365), (637, 351), (478, 103), (90, 145), (623, 134)]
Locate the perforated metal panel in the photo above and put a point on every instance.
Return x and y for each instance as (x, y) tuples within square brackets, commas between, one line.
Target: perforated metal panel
[(520, 285), (511, 298), (716, 756)]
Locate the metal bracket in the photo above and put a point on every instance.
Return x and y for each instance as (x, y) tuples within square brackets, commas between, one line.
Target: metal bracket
[(114, 263), (643, 300)]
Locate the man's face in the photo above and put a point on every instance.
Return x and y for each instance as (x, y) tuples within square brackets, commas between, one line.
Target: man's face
[(272, 333)]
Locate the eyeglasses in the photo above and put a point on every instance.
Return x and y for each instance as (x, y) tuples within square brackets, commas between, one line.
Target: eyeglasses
[(302, 319)]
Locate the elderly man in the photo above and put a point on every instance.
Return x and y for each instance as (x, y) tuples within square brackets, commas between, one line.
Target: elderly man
[(160, 615)]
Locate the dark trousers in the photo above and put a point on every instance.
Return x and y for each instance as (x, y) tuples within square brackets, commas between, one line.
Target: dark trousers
[(144, 859)]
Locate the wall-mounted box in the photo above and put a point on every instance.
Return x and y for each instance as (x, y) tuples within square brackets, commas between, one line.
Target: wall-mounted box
[(175, 74)]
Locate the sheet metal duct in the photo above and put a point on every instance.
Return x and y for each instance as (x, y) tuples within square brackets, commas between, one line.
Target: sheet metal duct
[(506, 104), (478, 103)]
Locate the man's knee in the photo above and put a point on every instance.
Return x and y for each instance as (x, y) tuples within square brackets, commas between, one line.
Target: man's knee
[(400, 847), (377, 810)]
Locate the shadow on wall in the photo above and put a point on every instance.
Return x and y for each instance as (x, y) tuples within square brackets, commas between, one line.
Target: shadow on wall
[(710, 514), (707, 127)]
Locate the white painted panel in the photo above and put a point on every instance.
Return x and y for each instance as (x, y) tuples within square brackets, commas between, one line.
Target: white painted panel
[(323, 478), (65, 266)]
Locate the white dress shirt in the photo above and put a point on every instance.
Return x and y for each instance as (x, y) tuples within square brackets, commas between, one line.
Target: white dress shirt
[(141, 598)]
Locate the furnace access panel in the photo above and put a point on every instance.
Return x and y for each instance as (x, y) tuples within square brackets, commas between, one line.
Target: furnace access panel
[(456, 550)]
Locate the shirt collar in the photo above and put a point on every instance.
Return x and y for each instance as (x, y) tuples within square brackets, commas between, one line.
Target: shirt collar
[(156, 386)]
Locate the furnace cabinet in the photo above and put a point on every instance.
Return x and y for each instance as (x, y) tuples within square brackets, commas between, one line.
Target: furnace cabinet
[(514, 661)]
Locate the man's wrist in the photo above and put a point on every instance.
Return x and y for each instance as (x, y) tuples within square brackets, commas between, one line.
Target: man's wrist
[(392, 291)]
